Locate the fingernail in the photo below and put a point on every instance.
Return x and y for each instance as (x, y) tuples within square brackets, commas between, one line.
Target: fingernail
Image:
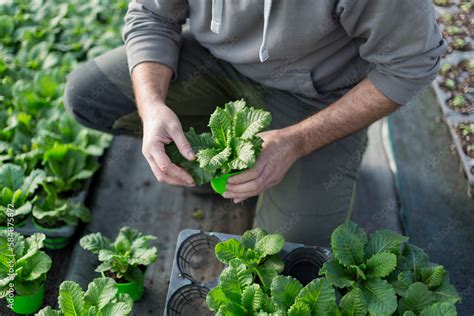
[(191, 154), (227, 195)]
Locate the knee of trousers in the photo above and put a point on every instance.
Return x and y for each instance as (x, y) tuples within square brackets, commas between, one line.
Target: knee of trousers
[(80, 97)]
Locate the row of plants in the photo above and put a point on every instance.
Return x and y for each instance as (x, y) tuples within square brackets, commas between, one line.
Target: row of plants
[(454, 84), (24, 267), (377, 274), (46, 157)]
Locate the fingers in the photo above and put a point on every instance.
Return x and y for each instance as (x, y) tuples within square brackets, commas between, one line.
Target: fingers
[(246, 176), (164, 170), (240, 192), (182, 143)]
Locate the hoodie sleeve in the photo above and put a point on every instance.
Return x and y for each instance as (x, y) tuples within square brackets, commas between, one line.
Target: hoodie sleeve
[(400, 38), (152, 31)]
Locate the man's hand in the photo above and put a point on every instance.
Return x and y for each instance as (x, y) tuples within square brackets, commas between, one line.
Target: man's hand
[(161, 127), (277, 156)]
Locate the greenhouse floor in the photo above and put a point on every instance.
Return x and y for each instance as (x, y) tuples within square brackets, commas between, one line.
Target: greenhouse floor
[(436, 211)]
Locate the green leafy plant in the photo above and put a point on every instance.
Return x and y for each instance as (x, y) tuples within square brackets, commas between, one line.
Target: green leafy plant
[(445, 68), (258, 250), (232, 145), (238, 294), (467, 129), (28, 263), (52, 212), (69, 176), (459, 43), (375, 276), (458, 101), (17, 191), (126, 257), (100, 299)]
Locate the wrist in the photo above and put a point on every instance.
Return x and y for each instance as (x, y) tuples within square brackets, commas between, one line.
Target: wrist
[(296, 143), (149, 111)]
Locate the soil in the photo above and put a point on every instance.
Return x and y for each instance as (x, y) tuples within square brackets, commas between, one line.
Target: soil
[(466, 141), (463, 79), (304, 272)]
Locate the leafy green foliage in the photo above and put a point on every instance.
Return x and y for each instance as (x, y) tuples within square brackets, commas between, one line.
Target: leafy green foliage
[(17, 191), (233, 143), (30, 265), (258, 251), (124, 257), (100, 299), (382, 274), (52, 211)]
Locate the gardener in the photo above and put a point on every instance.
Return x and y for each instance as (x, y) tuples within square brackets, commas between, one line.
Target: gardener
[(324, 69)]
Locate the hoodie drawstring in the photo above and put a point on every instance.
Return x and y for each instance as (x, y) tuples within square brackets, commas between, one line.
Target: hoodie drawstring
[(216, 24)]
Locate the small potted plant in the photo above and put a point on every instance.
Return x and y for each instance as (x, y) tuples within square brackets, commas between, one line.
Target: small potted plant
[(58, 217), (231, 147), (23, 271), (125, 260), (100, 299), (16, 194)]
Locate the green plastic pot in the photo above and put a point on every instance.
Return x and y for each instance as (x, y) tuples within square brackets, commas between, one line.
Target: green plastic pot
[(134, 289), (219, 184), (28, 304), (53, 242)]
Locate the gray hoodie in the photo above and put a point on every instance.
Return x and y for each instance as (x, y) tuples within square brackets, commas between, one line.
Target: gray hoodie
[(313, 48)]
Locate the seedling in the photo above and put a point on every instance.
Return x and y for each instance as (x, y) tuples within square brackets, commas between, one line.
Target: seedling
[(459, 43), (454, 30), (232, 145), (450, 84), (467, 129), (459, 101), (445, 68), (442, 3), (101, 298)]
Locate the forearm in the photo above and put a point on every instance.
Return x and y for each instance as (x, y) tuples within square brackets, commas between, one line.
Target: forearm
[(150, 84), (360, 107)]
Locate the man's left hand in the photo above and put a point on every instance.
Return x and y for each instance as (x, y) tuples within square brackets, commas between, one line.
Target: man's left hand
[(279, 152)]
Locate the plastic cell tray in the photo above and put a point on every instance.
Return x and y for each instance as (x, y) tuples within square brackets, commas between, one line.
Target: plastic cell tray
[(196, 270)]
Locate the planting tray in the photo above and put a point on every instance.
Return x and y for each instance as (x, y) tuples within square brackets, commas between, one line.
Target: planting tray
[(467, 163), (196, 270)]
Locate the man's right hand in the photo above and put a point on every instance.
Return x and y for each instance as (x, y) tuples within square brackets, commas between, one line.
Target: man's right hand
[(161, 126)]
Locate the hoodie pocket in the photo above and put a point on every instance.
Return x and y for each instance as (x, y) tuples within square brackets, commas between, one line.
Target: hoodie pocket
[(298, 82)]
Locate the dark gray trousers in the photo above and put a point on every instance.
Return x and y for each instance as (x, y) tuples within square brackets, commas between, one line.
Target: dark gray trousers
[(316, 194)]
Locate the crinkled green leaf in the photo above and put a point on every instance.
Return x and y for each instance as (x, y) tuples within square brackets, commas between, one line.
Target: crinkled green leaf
[(284, 290), (249, 121), (337, 274), (432, 276), (439, 309), (299, 309), (383, 241), (234, 279), (403, 282), (319, 295), (71, 299), (270, 244), (380, 265), (252, 298), (250, 237), (228, 250), (48, 311), (348, 241), (417, 297), (446, 292), (215, 298), (11, 176), (416, 258), (353, 304), (380, 297), (220, 123), (100, 292), (233, 309)]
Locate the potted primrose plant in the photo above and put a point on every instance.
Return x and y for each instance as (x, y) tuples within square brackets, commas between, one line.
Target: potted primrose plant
[(100, 299), (17, 191), (125, 260), (58, 218), (23, 271), (231, 147)]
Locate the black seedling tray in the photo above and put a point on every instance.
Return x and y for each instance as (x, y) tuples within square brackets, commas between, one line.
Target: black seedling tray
[(196, 269)]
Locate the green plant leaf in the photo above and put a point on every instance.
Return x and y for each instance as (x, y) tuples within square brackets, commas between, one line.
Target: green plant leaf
[(48, 311), (244, 155), (11, 176), (234, 279), (32, 181), (416, 299), (380, 297), (348, 241), (233, 309), (384, 240), (439, 309), (337, 274), (284, 290), (212, 158), (380, 265), (274, 262), (228, 250), (403, 282), (220, 123), (36, 266), (353, 304), (100, 292), (249, 121), (432, 276), (299, 309), (215, 298), (270, 244), (250, 237), (416, 258), (319, 295), (116, 309), (71, 299), (446, 292), (252, 298)]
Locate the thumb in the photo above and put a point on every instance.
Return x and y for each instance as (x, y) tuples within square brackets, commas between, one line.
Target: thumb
[(183, 145)]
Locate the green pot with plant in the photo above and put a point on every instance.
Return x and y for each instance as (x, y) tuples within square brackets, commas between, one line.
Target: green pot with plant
[(101, 298), (382, 274), (23, 271), (17, 191), (58, 218), (231, 147), (125, 260)]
